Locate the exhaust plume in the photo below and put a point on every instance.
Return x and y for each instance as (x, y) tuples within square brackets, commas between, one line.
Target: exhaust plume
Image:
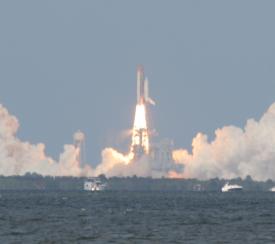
[(234, 152), (117, 164), (140, 136), (18, 157)]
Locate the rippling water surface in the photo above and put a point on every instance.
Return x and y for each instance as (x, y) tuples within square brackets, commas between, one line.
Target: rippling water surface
[(136, 217)]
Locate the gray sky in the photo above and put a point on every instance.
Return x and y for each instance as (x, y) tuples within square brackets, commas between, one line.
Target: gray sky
[(68, 65)]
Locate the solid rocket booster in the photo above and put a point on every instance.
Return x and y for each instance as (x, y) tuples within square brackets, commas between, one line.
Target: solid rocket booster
[(143, 88)]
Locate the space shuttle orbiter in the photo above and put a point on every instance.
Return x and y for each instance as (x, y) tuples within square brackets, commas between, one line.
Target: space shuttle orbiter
[(143, 88)]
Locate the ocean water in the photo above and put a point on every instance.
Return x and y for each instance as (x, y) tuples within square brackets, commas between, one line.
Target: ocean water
[(136, 217)]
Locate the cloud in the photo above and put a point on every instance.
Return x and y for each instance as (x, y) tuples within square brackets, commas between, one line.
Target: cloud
[(234, 152), (18, 157)]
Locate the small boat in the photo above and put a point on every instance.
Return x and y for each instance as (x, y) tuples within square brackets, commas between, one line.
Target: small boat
[(228, 188), (94, 184), (272, 189)]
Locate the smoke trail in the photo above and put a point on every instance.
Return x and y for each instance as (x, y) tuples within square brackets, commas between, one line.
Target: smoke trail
[(18, 158), (234, 152)]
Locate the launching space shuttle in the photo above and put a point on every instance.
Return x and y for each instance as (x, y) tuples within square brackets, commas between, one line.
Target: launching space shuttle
[(143, 88)]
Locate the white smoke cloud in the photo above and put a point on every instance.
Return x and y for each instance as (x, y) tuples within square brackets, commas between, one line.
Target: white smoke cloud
[(117, 164), (234, 152), (18, 158)]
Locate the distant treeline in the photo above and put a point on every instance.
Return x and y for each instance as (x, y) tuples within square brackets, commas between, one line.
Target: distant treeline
[(33, 181)]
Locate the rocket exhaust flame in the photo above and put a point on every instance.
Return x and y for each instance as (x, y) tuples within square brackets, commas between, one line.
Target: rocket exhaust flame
[(140, 135), (140, 117)]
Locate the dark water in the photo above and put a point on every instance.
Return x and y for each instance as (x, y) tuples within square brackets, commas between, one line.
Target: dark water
[(136, 217)]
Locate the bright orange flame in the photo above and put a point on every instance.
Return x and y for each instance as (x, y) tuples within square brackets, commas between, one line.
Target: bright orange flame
[(140, 117), (140, 137)]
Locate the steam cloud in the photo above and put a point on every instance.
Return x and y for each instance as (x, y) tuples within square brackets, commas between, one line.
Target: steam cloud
[(18, 158), (117, 164), (234, 152)]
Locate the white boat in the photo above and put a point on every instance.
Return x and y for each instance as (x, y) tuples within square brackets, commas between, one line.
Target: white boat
[(94, 184), (228, 188), (272, 189)]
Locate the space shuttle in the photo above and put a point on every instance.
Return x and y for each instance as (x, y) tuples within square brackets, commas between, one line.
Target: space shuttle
[(143, 88)]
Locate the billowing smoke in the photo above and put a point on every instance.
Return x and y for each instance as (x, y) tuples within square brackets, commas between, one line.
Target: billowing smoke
[(234, 152), (141, 159), (117, 164), (18, 157)]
